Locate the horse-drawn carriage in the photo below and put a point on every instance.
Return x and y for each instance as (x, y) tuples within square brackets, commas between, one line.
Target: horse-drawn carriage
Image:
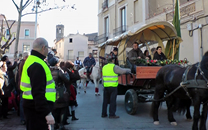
[(139, 87)]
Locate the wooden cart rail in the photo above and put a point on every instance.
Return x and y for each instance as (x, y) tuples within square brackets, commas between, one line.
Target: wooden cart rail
[(147, 72)]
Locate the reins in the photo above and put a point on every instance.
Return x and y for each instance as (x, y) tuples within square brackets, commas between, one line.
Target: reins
[(186, 82)]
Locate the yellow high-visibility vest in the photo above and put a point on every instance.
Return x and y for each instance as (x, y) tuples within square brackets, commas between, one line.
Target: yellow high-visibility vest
[(110, 79), (25, 85)]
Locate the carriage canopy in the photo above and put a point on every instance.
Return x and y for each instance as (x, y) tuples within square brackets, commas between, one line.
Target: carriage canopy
[(153, 33)]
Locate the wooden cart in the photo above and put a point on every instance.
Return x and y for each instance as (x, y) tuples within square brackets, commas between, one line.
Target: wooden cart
[(139, 87)]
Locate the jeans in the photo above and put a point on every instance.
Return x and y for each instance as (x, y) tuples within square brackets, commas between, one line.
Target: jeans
[(22, 118), (109, 97)]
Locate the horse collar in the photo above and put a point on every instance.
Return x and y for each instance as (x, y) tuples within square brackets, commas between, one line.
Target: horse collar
[(201, 72)]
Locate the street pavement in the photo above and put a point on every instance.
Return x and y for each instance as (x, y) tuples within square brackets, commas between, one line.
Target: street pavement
[(89, 114)]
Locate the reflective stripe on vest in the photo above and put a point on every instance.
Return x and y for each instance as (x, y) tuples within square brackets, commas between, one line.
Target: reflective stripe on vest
[(29, 86), (110, 79), (25, 85)]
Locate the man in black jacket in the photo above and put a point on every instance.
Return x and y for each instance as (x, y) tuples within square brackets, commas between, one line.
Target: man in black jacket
[(159, 55), (38, 111)]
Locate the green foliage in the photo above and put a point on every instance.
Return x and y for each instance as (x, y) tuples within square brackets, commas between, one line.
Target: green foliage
[(160, 62)]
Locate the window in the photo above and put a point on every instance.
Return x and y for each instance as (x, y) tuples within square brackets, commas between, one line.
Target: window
[(70, 55), (7, 32), (123, 19), (105, 4), (59, 30), (27, 32), (136, 11), (94, 52), (70, 40), (26, 48), (106, 26), (80, 53), (60, 45)]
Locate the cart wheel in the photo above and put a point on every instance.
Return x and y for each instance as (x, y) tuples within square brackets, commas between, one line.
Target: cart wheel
[(131, 101)]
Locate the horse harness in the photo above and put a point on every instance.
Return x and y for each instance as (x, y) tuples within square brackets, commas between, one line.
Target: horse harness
[(193, 83)]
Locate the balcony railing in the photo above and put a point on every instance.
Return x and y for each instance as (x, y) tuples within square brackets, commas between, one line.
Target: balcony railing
[(165, 8), (105, 4), (102, 38), (70, 57), (119, 30)]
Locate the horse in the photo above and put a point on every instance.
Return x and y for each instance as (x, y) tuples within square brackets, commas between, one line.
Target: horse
[(94, 76), (184, 83)]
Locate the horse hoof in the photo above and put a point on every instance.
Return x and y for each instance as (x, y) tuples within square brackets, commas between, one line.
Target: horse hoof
[(173, 123), (98, 94), (156, 122), (84, 91), (79, 87), (78, 92)]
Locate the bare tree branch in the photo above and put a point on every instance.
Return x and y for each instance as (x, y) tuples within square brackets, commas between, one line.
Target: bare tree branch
[(1, 33), (41, 11), (7, 24), (12, 24), (10, 36), (15, 5), (26, 4), (9, 44)]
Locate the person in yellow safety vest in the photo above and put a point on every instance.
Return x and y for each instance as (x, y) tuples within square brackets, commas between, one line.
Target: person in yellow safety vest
[(110, 82), (38, 88)]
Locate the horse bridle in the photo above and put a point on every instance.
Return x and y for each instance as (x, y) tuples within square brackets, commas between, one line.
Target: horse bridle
[(184, 82), (201, 72)]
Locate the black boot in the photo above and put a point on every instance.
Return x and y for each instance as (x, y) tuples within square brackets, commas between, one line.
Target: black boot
[(73, 116)]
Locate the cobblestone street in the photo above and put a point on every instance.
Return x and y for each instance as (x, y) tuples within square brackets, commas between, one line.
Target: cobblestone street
[(89, 114)]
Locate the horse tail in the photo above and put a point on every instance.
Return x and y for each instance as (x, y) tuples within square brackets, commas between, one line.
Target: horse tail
[(181, 105)]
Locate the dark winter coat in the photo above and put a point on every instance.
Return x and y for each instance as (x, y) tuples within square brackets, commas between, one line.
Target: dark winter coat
[(114, 58), (37, 76), (134, 54), (159, 57), (20, 67), (60, 79), (10, 69), (89, 61), (74, 76)]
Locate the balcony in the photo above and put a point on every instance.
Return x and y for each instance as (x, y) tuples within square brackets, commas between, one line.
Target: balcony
[(102, 38), (70, 57), (168, 8), (119, 30), (105, 4)]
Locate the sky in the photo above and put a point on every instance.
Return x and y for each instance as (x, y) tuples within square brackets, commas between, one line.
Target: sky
[(83, 19)]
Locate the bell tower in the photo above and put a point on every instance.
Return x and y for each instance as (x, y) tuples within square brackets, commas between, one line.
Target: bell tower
[(59, 32)]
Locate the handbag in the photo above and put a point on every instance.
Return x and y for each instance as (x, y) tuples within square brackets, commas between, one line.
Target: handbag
[(60, 89)]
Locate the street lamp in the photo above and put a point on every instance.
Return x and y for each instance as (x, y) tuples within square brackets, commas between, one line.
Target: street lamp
[(37, 3)]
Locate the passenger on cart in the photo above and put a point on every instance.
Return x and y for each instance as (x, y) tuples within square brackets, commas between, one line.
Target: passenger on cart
[(114, 54), (133, 55), (159, 55)]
